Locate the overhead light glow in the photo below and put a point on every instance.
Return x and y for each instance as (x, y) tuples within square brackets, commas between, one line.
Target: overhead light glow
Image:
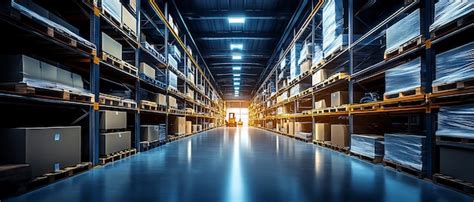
[(236, 83), (236, 75), (236, 46), (236, 68), (236, 57), (236, 79), (236, 95), (236, 20), (236, 88)]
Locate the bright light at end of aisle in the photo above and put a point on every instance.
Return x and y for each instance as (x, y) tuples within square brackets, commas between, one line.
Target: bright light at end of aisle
[(236, 75), (236, 57), (236, 20), (236, 68)]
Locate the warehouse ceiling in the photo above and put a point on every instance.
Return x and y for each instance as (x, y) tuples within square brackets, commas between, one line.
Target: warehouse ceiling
[(254, 27)]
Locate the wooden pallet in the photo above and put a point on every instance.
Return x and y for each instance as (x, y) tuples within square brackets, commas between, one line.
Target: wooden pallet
[(376, 160), (176, 111), (129, 32), (129, 103), (117, 156), (152, 81), (145, 146), (110, 100), (468, 84), (343, 108), (452, 182), (318, 142), (148, 105), (454, 139), (402, 168), (50, 93), (335, 53), (58, 175), (452, 26), (176, 92), (411, 44), (119, 64), (55, 34), (108, 16), (404, 94), (337, 148)]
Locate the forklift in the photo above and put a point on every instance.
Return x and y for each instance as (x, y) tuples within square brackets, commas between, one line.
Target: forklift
[(231, 122)]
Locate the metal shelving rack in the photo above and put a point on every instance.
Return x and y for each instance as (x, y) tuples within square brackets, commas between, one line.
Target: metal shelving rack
[(361, 75), (207, 102)]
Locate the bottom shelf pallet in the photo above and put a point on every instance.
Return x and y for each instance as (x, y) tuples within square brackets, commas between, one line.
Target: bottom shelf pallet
[(402, 168), (376, 160), (145, 146), (452, 182), (117, 156)]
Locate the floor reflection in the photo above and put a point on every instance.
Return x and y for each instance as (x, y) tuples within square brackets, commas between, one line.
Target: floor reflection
[(242, 164)]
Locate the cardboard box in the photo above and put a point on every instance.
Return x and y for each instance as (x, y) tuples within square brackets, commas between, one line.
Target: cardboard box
[(319, 76), (320, 104), (128, 20), (147, 70), (114, 8), (113, 120), (173, 80), (189, 125), (191, 78), (178, 126), (150, 133), (15, 68), (291, 127), (161, 99), (190, 93), (322, 132), (303, 127), (340, 135), (339, 98), (45, 149), (172, 101), (197, 128), (112, 47), (114, 142), (305, 66)]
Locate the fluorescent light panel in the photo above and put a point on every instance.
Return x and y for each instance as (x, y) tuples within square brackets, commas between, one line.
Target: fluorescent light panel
[(236, 79), (236, 75), (236, 57), (236, 68), (236, 83), (236, 20), (238, 46)]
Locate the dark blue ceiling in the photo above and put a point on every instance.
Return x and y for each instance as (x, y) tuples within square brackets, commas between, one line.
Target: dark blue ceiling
[(265, 23)]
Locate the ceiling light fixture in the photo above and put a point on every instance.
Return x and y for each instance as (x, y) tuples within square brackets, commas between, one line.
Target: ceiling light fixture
[(236, 20), (236, 46), (236, 57), (236, 68)]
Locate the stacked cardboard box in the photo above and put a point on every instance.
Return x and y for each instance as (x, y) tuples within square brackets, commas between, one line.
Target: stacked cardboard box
[(172, 102), (339, 98), (129, 21), (340, 135), (322, 132), (178, 126), (189, 127), (161, 99), (319, 76), (147, 70), (321, 104)]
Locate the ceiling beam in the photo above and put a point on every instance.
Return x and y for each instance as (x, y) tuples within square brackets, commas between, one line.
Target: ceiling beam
[(230, 56), (249, 15)]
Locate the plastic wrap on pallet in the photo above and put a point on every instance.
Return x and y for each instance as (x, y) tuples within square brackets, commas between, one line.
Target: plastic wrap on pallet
[(333, 26), (403, 31), (305, 52), (114, 8), (456, 121), (449, 10), (172, 61), (407, 150), (173, 80), (367, 145), (455, 65), (404, 77), (294, 67), (51, 23), (317, 54)]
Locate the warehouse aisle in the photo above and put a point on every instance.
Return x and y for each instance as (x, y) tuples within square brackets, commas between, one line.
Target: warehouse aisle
[(242, 165)]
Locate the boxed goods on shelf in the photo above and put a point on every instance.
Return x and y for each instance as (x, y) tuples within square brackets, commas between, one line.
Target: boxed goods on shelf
[(283, 59), (178, 126), (457, 162), (174, 51), (189, 127), (367, 145), (291, 127), (129, 21), (339, 98), (456, 121), (197, 128), (294, 67), (32, 10), (317, 55), (281, 110), (63, 77), (114, 142), (403, 31), (303, 130), (455, 65), (172, 62), (305, 52), (150, 133), (305, 66), (147, 70), (172, 102), (282, 97), (190, 93), (320, 104), (404, 149), (113, 8), (298, 88), (333, 27), (110, 120), (45, 149), (340, 135), (110, 46), (319, 76), (322, 132), (173, 80), (191, 77), (447, 11), (404, 77)]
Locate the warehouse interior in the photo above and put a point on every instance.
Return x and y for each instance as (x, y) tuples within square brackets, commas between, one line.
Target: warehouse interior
[(242, 100)]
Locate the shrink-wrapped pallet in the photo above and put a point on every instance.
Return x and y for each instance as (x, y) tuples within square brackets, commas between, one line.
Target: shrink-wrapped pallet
[(456, 121), (367, 145), (449, 10), (455, 65), (404, 149), (403, 31), (404, 77)]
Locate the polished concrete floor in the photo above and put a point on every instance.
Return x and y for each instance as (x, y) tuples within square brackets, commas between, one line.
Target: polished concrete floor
[(242, 164)]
